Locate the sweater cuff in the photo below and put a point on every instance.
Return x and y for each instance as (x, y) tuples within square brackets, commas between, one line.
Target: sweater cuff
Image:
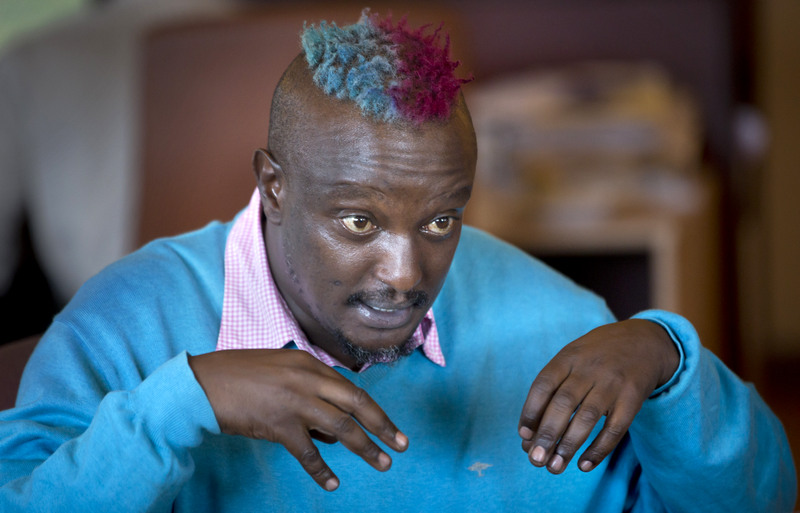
[(681, 332), (175, 407)]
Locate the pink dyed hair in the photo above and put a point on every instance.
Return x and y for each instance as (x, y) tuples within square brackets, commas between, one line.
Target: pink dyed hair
[(428, 87)]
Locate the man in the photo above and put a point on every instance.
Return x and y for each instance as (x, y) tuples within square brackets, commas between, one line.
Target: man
[(346, 304)]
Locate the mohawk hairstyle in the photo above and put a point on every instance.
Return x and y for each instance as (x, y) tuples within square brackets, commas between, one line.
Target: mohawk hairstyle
[(391, 72)]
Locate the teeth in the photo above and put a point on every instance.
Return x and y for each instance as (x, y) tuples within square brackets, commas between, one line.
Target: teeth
[(383, 309)]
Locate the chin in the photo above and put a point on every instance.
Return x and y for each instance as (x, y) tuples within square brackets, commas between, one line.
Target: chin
[(369, 355)]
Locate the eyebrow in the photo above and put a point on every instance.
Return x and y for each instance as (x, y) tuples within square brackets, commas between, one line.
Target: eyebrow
[(462, 194), (357, 190)]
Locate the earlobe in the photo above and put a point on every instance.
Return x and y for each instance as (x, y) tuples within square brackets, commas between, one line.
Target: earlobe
[(270, 179)]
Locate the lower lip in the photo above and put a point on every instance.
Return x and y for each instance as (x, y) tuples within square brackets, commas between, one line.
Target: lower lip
[(384, 319)]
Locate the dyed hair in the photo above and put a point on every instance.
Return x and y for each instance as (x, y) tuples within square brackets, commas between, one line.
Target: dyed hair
[(390, 71)]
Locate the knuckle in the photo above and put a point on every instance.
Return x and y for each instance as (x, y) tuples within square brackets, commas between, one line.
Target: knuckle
[(310, 459), (260, 431), (615, 431), (567, 447), (564, 401), (528, 418), (615, 378), (595, 454), (588, 414), (360, 398), (344, 424), (370, 450), (388, 429), (545, 437), (543, 385)]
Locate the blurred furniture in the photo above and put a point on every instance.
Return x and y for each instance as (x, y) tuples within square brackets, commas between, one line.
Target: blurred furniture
[(596, 168), (13, 357), (679, 249)]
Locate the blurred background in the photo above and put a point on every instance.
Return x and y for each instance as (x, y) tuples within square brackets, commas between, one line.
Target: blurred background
[(646, 148)]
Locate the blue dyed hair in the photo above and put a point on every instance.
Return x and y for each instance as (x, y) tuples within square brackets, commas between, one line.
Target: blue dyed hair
[(389, 71)]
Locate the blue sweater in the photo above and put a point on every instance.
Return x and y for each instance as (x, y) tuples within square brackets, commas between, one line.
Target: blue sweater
[(110, 417)]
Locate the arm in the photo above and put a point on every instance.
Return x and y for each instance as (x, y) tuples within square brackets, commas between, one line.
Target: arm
[(701, 431), (80, 437), (711, 435), (90, 445), (75, 444)]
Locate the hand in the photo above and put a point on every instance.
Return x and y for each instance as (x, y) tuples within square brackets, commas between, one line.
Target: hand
[(287, 396), (609, 372)]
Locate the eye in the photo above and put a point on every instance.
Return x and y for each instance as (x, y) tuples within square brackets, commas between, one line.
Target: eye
[(358, 224), (440, 226)]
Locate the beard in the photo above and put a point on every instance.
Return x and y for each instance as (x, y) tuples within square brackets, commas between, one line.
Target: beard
[(386, 355)]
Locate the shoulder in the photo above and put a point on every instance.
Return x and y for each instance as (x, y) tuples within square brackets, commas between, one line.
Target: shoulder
[(192, 259), (164, 297), (495, 287)]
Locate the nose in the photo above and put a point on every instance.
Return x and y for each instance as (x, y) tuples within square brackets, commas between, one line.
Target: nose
[(399, 264)]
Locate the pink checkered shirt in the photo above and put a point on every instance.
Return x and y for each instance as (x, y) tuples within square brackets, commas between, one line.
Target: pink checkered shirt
[(254, 314)]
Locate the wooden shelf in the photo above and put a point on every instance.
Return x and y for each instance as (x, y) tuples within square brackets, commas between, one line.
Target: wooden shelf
[(681, 242)]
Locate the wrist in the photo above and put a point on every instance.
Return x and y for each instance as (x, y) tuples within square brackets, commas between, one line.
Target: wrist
[(669, 354)]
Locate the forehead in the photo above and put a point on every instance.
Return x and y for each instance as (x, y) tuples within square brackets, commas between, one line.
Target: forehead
[(351, 149)]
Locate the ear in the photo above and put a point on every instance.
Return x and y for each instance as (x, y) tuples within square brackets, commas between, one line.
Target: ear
[(271, 184)]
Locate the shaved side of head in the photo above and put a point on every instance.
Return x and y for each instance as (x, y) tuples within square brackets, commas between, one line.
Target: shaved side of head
[(301, 113)]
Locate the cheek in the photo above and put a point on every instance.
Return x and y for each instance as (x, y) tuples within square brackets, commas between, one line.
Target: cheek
[(322, 264), (438, 260)]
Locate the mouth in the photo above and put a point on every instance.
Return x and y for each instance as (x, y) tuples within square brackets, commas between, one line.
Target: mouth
[(385, 316)]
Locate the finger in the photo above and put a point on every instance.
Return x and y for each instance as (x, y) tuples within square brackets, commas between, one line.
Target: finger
[(356, 401), (615, 427), (307, 454), (555, 420), (322, 437), (539, 396), (335, 423), (591, 410)]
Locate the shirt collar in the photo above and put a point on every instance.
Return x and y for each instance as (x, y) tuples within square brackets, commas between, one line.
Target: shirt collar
[(254, 314)]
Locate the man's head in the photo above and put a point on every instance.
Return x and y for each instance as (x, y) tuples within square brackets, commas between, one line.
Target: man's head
[(363, 190)]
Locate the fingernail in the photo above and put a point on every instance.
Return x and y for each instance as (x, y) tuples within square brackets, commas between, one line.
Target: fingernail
[(538, 454), (586, 465), (331, 484), (401, 439), (525, 433), (384, 460), (557, 463)]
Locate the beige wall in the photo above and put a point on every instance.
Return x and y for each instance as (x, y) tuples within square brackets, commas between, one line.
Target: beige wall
[(778, 94)]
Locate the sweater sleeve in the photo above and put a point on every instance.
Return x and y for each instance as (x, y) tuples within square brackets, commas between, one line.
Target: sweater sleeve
[(708, 442), (75, 443)]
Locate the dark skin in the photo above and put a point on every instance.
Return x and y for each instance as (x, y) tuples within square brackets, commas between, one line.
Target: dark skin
[(373, 211), (609, 372)]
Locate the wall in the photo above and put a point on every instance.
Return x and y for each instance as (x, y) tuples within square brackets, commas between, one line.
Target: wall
[(18, 17), (778, 94)]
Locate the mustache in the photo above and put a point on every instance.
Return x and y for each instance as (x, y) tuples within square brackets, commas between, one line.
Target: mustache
[(414, 298)]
